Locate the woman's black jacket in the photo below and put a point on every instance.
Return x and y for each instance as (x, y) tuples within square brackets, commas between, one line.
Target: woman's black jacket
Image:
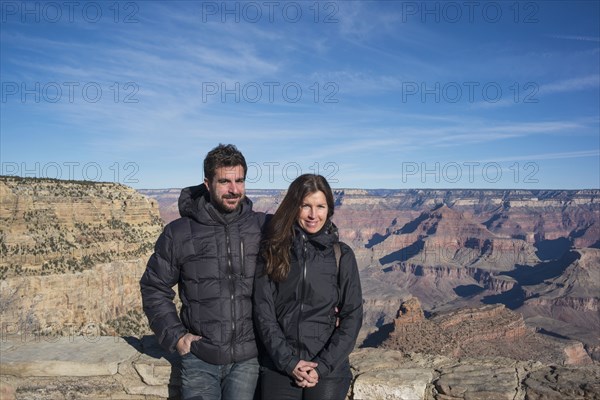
[(295, 319)]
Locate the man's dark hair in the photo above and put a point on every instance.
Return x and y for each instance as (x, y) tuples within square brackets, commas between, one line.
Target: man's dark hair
[(224, 155)]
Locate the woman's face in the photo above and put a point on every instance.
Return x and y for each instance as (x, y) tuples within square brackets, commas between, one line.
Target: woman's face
[(313, 212)]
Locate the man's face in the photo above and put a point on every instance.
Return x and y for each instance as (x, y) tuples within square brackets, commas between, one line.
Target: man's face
[(227, 188)]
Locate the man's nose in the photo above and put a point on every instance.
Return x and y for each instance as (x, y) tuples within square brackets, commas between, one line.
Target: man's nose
[(235, 187)]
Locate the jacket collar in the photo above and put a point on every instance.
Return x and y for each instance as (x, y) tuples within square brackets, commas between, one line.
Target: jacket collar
[(326, 237), (194, 202)]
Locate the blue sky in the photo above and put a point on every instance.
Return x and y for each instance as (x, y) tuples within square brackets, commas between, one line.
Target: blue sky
[(394, 94)]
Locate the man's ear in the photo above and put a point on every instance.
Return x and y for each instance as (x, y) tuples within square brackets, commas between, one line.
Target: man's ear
[(207, 184)]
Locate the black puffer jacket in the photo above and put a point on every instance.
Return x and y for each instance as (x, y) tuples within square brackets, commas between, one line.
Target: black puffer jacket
[(295, 319), (213, 261)]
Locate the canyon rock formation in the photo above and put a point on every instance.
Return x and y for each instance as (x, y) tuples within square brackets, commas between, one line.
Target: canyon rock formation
[(485, 331), (72, 254)]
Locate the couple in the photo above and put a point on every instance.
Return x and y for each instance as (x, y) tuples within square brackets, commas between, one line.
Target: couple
[(239, 276)]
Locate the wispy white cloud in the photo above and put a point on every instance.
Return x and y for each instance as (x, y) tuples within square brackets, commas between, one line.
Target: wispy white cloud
[(570, 85), (531, 92), (578, 38), (547, 156), (482, 132)]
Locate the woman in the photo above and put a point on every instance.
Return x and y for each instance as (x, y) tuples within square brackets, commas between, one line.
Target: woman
[(307, 309)]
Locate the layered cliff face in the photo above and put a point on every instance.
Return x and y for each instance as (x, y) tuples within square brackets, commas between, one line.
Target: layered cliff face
[(446, 237), (567, 297), (72, 254), (167, 202), (543, 217)]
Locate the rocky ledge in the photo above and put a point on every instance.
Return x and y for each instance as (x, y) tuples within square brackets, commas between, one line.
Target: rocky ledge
[(47, 368), (484, 331)]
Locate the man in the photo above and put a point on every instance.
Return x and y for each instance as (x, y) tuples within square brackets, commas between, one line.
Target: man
[(210, 253)]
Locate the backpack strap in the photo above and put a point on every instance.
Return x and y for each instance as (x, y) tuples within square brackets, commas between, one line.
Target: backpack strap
[(338, 256), (337, 250)]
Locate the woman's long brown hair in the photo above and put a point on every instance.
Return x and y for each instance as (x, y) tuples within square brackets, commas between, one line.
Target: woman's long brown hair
[(277, 243)]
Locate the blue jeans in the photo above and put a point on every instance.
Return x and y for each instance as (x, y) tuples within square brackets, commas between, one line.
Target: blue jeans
[(203, 381)]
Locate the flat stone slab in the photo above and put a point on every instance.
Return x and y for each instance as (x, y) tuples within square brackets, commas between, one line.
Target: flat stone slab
[(5, 346), (64, 356), (389, 375), (486, 381), (405, 384)]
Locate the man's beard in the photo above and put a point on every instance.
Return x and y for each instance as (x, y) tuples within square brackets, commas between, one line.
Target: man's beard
[(221, 205)]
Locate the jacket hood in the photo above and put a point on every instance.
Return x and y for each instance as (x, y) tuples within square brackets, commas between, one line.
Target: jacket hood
[(194, 202)]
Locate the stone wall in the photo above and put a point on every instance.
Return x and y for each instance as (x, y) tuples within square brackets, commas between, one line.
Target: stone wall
[(116, 368)]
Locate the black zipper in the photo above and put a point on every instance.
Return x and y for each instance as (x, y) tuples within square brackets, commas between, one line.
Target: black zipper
[(231, 289), (302, 289), (242, 267)]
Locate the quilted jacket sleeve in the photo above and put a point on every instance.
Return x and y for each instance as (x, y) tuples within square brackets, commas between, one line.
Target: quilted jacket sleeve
[(162, 273)]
